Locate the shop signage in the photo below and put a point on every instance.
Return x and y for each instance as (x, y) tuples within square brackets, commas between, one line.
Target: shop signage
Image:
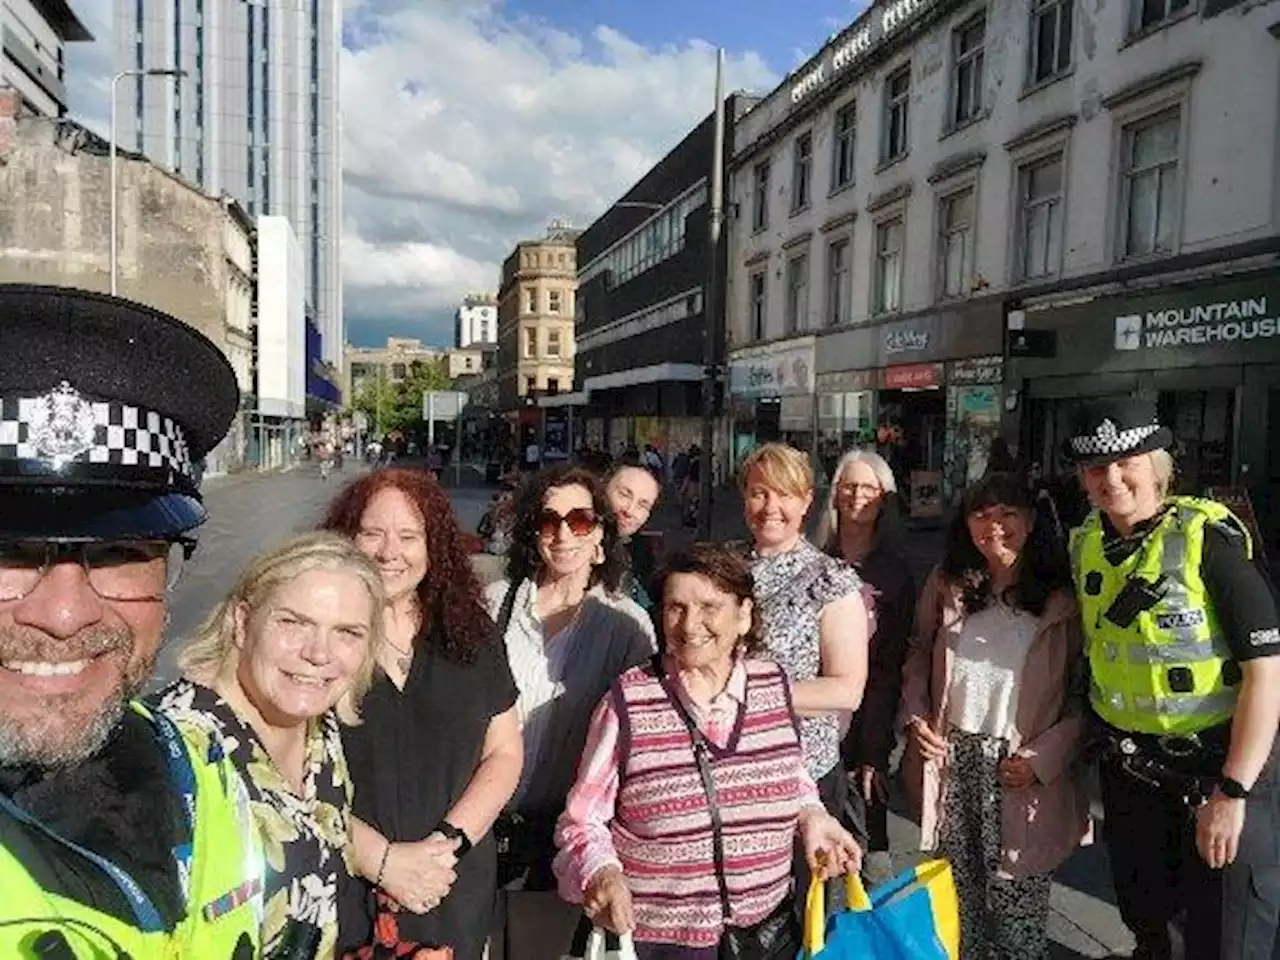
[(783, 372), (1201, 324), (976, 371), (904, 341), (912, 376), (851, 380), (868, 32)]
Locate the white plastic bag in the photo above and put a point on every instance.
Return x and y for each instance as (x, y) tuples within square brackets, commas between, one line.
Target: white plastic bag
[(597, 948)]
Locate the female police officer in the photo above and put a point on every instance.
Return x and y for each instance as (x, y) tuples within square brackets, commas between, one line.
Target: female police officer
[(1184, 655), (120, 834)]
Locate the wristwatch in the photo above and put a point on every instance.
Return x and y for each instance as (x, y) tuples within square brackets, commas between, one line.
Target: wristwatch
[(1233, 789), (450, 832)]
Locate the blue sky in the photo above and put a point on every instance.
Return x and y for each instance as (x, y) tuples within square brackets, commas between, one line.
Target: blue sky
[(469, 125)]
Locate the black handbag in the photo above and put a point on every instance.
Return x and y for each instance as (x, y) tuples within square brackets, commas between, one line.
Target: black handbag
[(776, 937)]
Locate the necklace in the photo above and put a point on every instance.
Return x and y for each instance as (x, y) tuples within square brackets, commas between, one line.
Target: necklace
[(405, 659)]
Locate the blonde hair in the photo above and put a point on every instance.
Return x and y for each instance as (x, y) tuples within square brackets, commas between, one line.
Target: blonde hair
[(1163, 467), (779, 467), (213, 647), (829, 523)]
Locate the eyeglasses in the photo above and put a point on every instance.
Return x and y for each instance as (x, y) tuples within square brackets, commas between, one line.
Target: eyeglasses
[(581, 521), (853, 489), (129, 570)]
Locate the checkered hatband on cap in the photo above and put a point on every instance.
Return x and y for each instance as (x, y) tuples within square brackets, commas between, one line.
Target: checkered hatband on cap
[(63, 427), (1107, 439)]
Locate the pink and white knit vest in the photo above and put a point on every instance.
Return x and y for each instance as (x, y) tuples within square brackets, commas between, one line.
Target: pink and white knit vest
[(662, 829)]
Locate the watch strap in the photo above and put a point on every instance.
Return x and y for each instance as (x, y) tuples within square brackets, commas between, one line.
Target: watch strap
[(448, 830), (1233, 788)]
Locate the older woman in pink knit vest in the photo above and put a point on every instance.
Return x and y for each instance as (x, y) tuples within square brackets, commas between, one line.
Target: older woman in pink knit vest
[(692, 789)]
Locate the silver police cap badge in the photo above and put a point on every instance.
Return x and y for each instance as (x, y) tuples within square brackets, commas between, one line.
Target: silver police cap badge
[(61, 426)]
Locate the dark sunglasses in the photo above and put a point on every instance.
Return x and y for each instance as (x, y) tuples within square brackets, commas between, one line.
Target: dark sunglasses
[(581, 521)]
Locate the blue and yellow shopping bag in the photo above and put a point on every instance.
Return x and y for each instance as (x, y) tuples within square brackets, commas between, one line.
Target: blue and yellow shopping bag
[(914, 916)]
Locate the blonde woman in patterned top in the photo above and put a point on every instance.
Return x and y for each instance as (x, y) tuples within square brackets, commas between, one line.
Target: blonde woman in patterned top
[(273, 673)]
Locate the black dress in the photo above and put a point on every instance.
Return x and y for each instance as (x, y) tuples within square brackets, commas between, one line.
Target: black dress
[(410, 761)]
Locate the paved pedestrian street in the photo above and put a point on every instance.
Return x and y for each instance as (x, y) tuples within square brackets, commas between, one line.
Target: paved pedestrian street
[(250, 512)]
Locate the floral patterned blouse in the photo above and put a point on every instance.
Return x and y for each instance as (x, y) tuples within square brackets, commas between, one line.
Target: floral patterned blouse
[(791, 590), (305, 838)]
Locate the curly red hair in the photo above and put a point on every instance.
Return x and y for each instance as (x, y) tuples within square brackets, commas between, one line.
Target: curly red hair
[(453, 613)]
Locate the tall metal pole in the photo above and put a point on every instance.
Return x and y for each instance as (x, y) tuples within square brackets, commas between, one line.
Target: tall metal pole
[(115, 281), (712, 311)]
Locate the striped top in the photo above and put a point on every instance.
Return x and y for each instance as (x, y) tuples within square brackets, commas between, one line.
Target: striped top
[(561, 678), (662, 828)]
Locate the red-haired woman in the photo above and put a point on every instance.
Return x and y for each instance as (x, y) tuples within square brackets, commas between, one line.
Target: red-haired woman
[(439, 752)]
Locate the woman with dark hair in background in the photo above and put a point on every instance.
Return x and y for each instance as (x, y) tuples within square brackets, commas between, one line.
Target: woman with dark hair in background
[(570, 630), (439, 752), (993, 699)]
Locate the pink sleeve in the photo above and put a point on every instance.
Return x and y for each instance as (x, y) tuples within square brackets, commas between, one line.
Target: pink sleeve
[(809, 796), (582, 834)]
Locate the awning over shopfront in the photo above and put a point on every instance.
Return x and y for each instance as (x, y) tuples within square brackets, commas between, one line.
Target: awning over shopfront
[(578, 399)]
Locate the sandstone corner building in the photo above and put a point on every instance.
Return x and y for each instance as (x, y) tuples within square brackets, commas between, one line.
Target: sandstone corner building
[(1209, 352)]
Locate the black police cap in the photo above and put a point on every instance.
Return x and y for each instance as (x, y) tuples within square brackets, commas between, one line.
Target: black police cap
[(1113, 428), (106, 406)]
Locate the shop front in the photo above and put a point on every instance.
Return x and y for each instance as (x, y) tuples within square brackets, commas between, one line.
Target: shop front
[(771, 396), (1208, 353), (924, 392)]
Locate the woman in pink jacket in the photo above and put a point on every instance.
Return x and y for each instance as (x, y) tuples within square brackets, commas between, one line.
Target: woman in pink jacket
[(992, 704)]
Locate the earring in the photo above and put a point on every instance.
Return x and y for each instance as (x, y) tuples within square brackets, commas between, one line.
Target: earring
[(168, 619), (599, 555)]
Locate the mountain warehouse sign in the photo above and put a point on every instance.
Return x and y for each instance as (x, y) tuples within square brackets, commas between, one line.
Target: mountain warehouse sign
[(1206, 324)]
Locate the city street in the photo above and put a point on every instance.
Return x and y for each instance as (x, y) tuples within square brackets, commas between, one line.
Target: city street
[(249, 512)]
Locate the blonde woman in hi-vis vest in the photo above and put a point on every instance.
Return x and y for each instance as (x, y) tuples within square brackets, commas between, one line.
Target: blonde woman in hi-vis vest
[(1184, 656)]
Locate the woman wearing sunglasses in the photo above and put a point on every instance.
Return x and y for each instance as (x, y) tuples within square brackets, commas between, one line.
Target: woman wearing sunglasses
[(570, 630)]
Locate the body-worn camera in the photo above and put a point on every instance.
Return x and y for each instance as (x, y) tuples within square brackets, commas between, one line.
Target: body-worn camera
[(1137, 596)]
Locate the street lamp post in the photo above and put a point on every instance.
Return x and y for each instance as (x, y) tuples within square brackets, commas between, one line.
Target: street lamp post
[(115, 83), (712, 311)]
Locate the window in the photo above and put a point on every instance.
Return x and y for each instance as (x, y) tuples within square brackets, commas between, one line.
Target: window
[(1150, 209), (758, 292), (553, 385), (553, 301), (1040, 218), (553, 343), (888, 279), (1050, 38), (530, 342), (399, 371), (530, 385), (760, 197), (897, 92), (955, 243), (802, 172), (966, 76), (839, 291), (530, 300), (842, 147), (797, 293), (1151, 13)]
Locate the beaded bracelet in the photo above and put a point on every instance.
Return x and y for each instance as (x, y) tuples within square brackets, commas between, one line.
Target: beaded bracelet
[(382, 866)]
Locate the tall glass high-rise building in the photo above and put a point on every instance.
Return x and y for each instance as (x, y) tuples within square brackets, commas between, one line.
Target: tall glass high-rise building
[(255, 117)]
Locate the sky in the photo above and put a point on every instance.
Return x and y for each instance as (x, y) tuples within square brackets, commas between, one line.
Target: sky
[(469, 125)]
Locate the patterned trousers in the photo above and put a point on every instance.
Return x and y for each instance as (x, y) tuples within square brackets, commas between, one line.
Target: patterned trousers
[(1000, 918)]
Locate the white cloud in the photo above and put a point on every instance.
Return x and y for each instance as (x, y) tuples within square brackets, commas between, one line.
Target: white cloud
[(467, 127)]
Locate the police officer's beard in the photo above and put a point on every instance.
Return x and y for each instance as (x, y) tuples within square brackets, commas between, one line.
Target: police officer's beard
[(63, 730)]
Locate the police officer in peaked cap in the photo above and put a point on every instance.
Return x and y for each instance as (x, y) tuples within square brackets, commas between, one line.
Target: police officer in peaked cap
[(1184, 656), (121, 834)]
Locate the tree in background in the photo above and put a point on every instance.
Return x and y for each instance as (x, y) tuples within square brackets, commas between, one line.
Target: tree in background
[(398, 406)]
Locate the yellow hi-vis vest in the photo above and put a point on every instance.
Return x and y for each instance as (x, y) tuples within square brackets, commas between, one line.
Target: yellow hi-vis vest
[(1131, 688), (221, 873)]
